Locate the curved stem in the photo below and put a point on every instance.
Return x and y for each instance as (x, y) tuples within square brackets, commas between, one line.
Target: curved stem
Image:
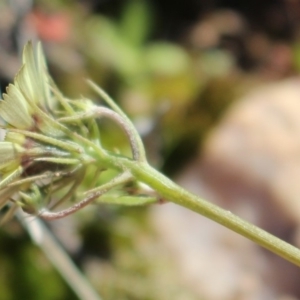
[(97, 112), (120, 179), (116, 108), (102, 111)]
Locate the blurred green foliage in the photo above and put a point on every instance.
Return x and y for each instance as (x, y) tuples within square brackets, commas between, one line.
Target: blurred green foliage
[(25, 272), (148, 77), (137, 266), (180, 90), (144, 75)]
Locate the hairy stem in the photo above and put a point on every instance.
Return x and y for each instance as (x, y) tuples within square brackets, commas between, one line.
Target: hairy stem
[(131, 129), (92, 195), (170, 191), (98, 112), (174, 193)]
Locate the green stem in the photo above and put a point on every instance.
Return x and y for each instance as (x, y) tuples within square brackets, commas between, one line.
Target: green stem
[(168, 190), (174, 193)]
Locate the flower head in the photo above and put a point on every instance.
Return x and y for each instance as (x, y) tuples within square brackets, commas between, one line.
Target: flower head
[(52, 146), (38, 153)]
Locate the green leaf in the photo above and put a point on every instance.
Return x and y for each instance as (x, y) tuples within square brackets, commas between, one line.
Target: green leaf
[(166, 59), (136, 22), (34, 80), (9, 151), (66, 145), (14, 109)]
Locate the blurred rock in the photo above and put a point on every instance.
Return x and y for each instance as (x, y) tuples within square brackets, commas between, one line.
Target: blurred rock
[(257, 143), (250, 166), (212, 261)]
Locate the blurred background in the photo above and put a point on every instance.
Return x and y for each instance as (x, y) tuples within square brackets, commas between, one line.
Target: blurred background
[(213, 87)]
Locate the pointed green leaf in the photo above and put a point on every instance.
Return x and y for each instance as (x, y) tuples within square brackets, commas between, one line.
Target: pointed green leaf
[(10, 177), (136, 22), (9, 151), (69, 146), (14, 109), (32, 79), (45, 78), (14, 137)]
